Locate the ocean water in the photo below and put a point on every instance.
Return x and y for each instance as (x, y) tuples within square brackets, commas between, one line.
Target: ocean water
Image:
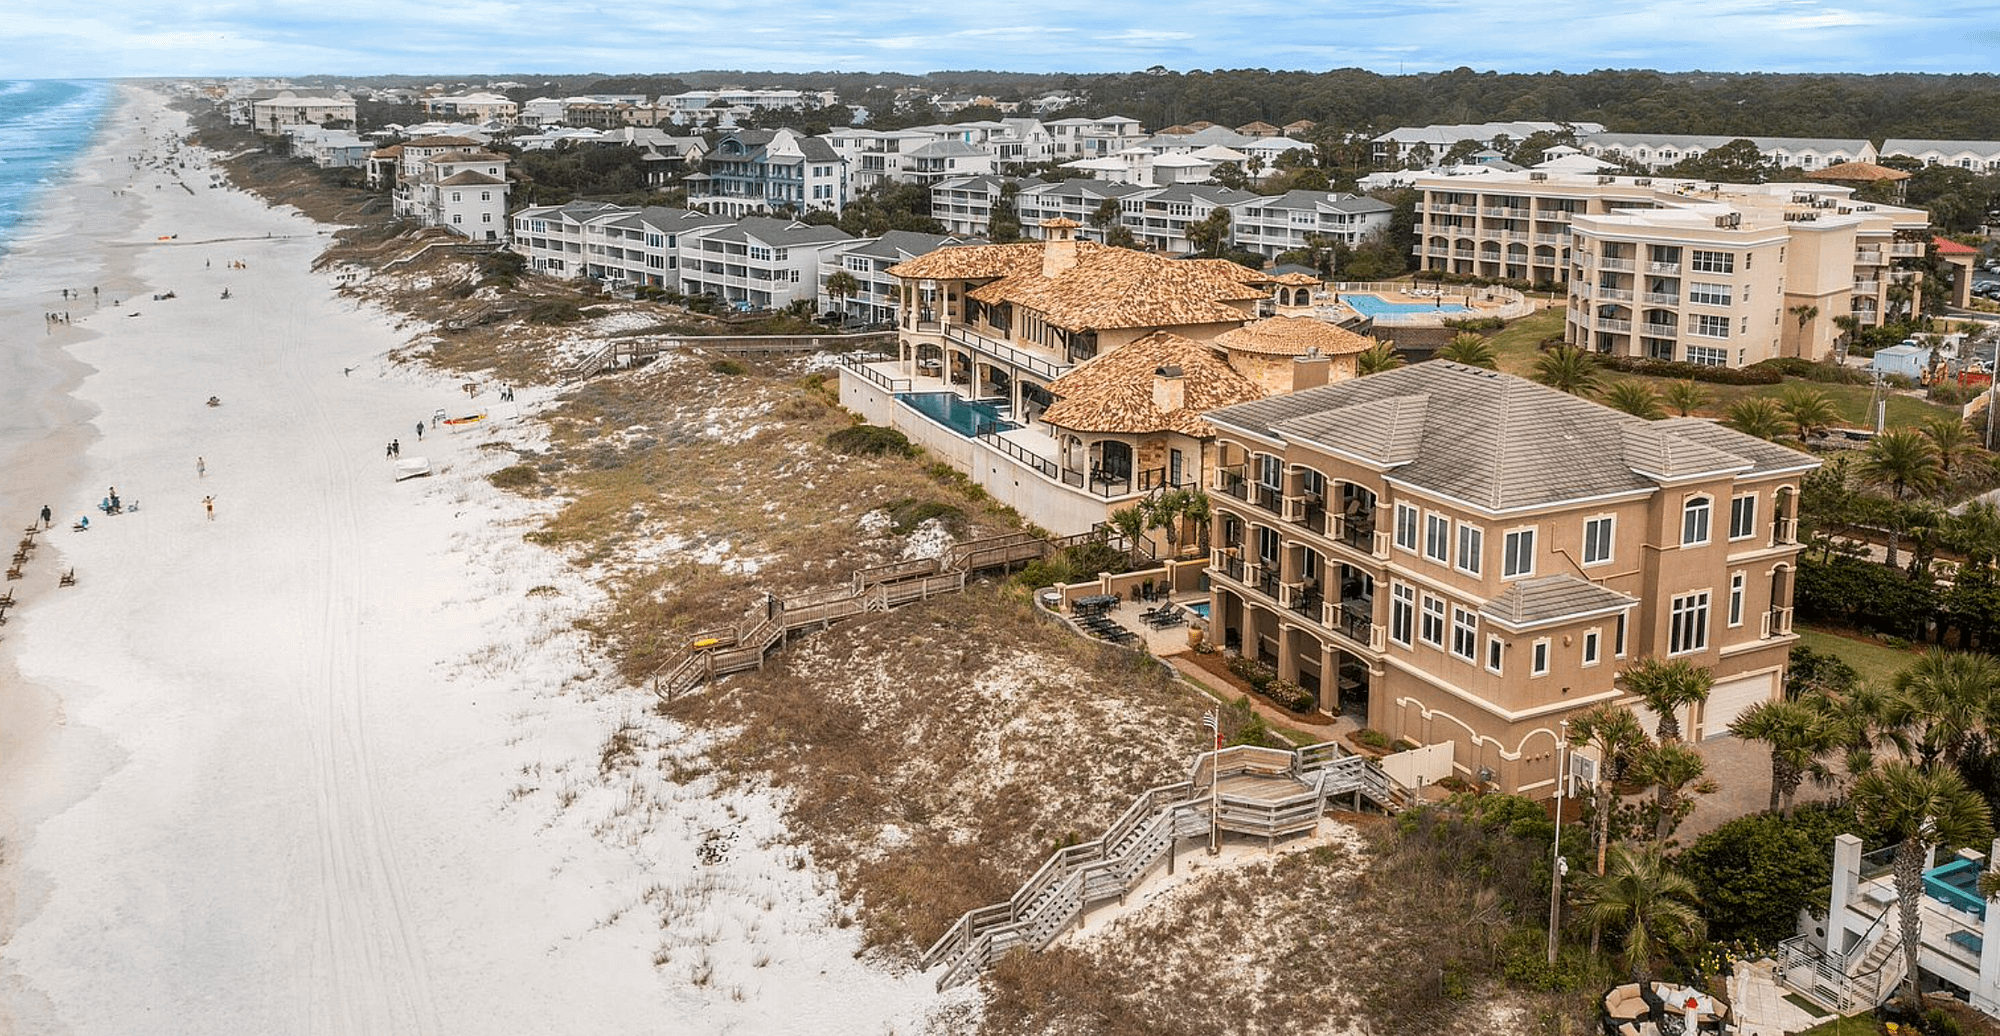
[(44, 125)]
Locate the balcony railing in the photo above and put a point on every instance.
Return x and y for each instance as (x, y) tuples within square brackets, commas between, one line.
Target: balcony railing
[(1660, 330), (1264, 576), (1867, 258), (1867, 287), (1227, 564), (1777, 623), (1906, 249), (1232, 481), (1611, 263), (1270, 498), (1784, 532), (1551, 239), (1654, 298), (1615, 294), (1002, 351), (1352, 619), (1305, 598), (1608, 324), (1663, 267)]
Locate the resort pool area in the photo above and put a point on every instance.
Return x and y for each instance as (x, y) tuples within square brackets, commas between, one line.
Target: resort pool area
[(1956, 885), (1376, 306), (1199, 608), (961, 415)]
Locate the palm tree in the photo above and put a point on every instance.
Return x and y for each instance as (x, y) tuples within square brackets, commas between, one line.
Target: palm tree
[(1615, 733), (1677, 773), (1900, 460), (1865, 717), (1666, 687), (1800, 737), (1633, 398), (1380, 357), (1165, 512), (1198, 515), (1652, 904), (1951, 696), (1130, 522), (840, 287), (1807, 409), (1568, 369), (1757, 416), (1470, 349), (1849, 324), (1954, 441), (1805, 312), (1686, 396), (1919, 807)]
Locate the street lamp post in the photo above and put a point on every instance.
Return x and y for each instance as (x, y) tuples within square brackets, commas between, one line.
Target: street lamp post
[(1557, 866)]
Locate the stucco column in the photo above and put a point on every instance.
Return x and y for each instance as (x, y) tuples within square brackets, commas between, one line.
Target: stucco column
[(1846, 870), (1986, 995), (1329, 679)]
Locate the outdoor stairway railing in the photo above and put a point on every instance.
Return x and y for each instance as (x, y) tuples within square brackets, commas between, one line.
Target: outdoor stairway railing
[(878, 588), (1846, 982), (1077, 876)]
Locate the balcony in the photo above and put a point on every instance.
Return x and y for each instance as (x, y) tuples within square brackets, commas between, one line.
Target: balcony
[(1784, 532), (1551, 239), (1654, 298), (1610, 263), (1669, 268), (1868, 258), (1619, 326), (999, 350), (1615, 294), (1233, 482), (1226, 563), (1270, 498), (1264, 576), (1659, 330), (1306, 599), (1867, 287), (1777, 623), (1907, 249)]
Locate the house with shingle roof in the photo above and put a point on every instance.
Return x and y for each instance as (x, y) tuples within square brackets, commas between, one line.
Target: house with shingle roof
[(763, 171), (450, 182), (1068, 377), (867, 261), (1462, 557)]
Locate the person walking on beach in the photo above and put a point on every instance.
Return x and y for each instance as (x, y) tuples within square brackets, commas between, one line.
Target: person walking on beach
[(420, 431), (47, 516), (200, 467), (389, 449), (208, 502), (396, 447)]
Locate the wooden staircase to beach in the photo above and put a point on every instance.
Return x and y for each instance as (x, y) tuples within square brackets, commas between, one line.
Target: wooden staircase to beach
[(1263, 792), (879, 588)]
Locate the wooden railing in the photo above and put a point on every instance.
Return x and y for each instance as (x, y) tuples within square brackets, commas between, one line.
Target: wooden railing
[(1109, 867)]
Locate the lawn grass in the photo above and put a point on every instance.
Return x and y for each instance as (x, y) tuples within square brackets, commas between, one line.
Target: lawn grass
[(1876, 662), (1516, 345), (1860, 1025)]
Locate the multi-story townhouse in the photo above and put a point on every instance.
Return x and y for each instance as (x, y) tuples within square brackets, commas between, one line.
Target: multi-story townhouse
[(477, 107), (965, 204), (1092, 138), (867, 261), (1394, 148), (271, 115), (1979, 156), (755, 171), (329, 149), (540, 111), (945, 159), (1067, 378), (464, 192), (1458, 556), (1822, 253), (1159, 218), (1077, 201), (613, 243), (757, 262), (1271, 225), (1656, 151), (878, 157)]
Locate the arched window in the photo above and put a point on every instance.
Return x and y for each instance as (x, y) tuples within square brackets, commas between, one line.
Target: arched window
[(1694, 521)]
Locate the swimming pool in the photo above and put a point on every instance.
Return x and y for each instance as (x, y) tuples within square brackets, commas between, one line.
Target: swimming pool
[(1199, 608), (961, 415), (1376, 306)]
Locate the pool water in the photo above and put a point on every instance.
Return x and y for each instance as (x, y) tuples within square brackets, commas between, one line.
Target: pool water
[(961, 415), (1956, 885), (1376, 306), (1199, 608)]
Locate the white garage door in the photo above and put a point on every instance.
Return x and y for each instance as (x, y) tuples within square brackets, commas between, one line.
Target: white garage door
[(1728, 698)]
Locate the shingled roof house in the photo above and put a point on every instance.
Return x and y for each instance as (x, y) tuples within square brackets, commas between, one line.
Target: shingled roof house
[(1453, 555), (1068, 377)]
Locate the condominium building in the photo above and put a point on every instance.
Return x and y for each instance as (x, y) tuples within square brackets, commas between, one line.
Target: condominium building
[(1272, 225), (964, 204), (1980, 156), (1077, 201), (1457, 556), (612, 243), (867, 262), (478, 108), (271, 115), (1656, 151), (1091, 138), (1657, 267), (758, 262), (1424, 146), (1159, 218)]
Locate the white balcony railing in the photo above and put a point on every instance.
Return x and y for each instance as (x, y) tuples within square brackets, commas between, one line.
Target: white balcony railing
[(1608, 324), (1654, 298)]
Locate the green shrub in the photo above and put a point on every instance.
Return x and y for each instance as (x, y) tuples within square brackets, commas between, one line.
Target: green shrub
[(1754, 375), (867, 440), (1799, 367), (728, 367), (554, 311), (1476, 323), (1371, 738), (1290, 695), (1255, 673), (905, 515), (519, 476)]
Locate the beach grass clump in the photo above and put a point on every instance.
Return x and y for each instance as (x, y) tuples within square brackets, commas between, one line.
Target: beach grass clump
[(907, 514), (555, 311), (516, 476), (867, 440)]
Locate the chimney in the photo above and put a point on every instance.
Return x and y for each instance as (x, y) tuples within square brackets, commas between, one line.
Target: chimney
[(1058, 246), (1169, 390), (1310, 370)]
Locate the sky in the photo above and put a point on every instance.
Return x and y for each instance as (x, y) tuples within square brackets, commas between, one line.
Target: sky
[(71, 38)]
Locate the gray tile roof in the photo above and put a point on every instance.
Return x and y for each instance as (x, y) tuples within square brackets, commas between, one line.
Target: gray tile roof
[(780, 232), (1714, 140), (1497, 442), (816, 149), (1900, 146), (1549, 599), (1388, 432), (898, 245)]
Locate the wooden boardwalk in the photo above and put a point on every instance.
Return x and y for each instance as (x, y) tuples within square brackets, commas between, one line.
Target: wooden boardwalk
[(1262, 792), (879, 588)]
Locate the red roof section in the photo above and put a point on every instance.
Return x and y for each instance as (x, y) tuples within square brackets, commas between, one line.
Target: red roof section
[(1946, 246)]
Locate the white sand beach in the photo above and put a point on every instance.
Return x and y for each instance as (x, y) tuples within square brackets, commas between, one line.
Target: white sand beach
[(322, 763)]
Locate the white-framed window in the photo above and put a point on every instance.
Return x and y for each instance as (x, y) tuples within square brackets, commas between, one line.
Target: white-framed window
[(1471, 544), (1465, 633), (1618, 636), (1735, 599), (1431, 629), (1271, 471), (1517, 556), (454, 196), (1402, 613), (1406, 527), (1708, 325), (1707, 356), (1694, 521), (1437, 538), (485, 195), (1539, 654), (1593, 641), (1597, 543), (1495, 647), (1703, 293), (1712, 262), (485, 217), (1742, 517), (1687, 623)]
